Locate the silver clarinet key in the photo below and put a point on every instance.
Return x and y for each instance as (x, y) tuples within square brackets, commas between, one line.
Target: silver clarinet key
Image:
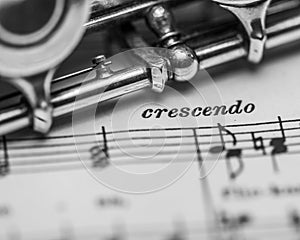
[(252, 14), (31, 49)]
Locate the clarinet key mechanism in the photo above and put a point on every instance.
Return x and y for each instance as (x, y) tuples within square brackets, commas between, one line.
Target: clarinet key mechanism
[(43, 33)]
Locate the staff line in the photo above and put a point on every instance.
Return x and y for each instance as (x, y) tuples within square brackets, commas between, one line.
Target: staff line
[(129, 162), (121, 155), (21, 147), (162, 129)]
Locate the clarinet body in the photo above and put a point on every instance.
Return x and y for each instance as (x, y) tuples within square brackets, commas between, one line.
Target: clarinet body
[(242, 29)]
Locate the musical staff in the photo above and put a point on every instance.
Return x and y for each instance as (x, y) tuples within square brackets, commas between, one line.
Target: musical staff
[(233, 142)]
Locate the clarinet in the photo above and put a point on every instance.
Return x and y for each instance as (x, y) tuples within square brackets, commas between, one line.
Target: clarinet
[(28, 61)]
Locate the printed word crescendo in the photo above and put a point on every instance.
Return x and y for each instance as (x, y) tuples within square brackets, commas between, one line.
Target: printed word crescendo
[(236, 108)]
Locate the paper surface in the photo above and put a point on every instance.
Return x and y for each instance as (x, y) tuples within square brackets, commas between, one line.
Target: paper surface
[(178, 180)]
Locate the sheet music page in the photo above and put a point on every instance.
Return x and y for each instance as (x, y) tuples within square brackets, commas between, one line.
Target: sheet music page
[(214, 158)]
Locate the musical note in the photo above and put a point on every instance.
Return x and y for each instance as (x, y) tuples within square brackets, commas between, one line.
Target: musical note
[(100, 154), (222, 147), (230, 153), (234, 153), (278, 145)]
